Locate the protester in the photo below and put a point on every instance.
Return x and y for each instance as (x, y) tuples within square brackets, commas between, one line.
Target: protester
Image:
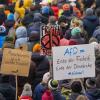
[(21, 24), (7, 90), (27, 92), (76, 88), (53, 86), (90, 21), (41, 87), (92, 92)]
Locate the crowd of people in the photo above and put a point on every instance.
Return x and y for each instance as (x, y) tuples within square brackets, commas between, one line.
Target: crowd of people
[(20, 28)]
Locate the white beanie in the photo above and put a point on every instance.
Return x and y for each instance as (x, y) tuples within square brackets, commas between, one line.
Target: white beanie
[(46, 77), (27, 91)]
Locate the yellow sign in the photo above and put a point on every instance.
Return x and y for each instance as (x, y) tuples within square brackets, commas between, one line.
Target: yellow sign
[(16, 62)]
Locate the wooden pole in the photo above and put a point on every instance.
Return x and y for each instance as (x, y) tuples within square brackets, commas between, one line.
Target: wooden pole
[(16, 88)]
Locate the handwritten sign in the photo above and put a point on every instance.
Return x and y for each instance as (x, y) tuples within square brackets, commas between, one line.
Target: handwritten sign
[(16, 62), (71, 62), (50, 36)]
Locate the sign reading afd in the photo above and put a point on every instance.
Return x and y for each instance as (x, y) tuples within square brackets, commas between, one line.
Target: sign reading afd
[(71, 62)]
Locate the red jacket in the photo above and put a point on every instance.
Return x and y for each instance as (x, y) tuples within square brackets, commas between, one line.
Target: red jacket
[(25, 98), (47, 95), (55, 10)]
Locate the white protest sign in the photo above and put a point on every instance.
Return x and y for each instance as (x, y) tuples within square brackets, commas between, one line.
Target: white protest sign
[(71, 62)]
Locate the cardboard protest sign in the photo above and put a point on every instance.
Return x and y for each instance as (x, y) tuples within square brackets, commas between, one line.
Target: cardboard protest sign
[(49, 38), (16, 62), (71, 62)]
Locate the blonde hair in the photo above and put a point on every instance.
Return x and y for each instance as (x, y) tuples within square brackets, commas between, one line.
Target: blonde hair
[(82, 97)]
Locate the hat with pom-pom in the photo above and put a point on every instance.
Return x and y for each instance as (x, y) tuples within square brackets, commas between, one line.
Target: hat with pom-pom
[(53, 84)]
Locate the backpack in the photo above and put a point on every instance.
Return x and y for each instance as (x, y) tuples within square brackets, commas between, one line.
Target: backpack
[(47, 95)]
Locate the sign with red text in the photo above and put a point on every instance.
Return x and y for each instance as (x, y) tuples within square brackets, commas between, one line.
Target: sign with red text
[(71, 62), (15, 62)]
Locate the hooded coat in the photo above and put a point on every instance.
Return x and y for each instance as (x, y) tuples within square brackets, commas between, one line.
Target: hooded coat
[(21, 34), (57, 95), (7, 90), (42, 66), (96, 34), (90, 23), (38, 91), (37, 22), (93, 94)]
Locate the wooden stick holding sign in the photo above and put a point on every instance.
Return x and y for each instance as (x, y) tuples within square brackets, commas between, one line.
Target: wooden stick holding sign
[(16, 62), (16, 88)]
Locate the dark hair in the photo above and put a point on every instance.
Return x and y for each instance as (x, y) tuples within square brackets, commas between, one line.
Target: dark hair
[(2, 17), (88, 3), (98, 12), (4, 78), (76, 87)]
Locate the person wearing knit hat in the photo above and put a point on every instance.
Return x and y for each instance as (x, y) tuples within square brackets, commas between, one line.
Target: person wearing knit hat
[(75, 31), (67, 11), (7, 12), (93, 39), (27, 92), (89, 11), (45, 10), (53, 84), (76, 37), (46, 77), (10, 16), (37, 47), (90, 83), (41, 87), (92, 92), (90, 22)]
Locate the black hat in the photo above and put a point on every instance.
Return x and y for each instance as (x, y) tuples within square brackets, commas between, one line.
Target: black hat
[(91, 83), (76, 86)]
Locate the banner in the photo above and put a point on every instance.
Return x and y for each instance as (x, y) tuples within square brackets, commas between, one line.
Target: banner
[(71, 62), (15, 62)]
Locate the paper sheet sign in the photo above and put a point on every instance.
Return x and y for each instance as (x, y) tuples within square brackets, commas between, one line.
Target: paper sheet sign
[(16, 62), (71, 62)]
